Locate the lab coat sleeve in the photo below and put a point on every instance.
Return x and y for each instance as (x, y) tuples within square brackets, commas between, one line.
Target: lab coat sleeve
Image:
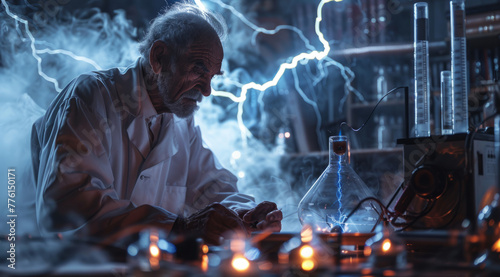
[(208, 181), (75, 184)]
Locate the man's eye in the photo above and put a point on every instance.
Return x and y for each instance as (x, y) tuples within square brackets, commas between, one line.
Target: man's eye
[(200, 69)]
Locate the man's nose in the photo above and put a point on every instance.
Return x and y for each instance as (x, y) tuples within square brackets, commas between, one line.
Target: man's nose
[(207, 89)]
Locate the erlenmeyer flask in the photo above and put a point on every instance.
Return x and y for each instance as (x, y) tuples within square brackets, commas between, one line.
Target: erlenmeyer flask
[(335, 194)]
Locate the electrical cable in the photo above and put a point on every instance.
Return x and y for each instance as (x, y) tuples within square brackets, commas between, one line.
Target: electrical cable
[(382, 207), (372, 111), (428, 207)]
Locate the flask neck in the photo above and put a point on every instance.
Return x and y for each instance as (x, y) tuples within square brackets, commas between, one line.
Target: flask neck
[(337, 157)]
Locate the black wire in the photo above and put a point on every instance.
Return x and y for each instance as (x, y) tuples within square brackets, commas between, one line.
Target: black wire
[(382, 207), (371, 113), (470, 138), (424, 212), (395, 194)]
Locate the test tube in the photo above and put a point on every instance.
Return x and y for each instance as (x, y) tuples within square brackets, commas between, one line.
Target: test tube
[(446, 104), (459, 67), (421, 67)]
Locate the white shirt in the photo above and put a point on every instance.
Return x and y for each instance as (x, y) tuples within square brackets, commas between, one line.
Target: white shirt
[(104, 159)]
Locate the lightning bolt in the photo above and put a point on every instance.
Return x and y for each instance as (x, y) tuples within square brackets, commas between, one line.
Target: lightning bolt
[(292, 63), (302, 57), (257, 29), (35, 52)]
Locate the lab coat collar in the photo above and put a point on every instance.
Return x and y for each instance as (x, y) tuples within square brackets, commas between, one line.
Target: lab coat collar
[(162, 125), (132, 91), (167, 143)]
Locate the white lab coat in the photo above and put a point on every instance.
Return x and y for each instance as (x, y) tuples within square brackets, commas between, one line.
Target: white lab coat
[(104, 160)]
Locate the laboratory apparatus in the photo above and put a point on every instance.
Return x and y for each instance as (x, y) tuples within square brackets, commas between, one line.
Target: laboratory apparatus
[(335, 194), (421, 69), (446, 103), (459, 67)]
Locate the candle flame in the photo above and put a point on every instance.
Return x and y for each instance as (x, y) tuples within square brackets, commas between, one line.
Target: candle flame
[(204, 263), (240, 263), (386, 245), (306, 252), (308, 265), (496, 246), (154, 250)]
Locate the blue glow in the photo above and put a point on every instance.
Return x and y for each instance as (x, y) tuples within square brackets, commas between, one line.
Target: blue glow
[(132, 250), (293, 62), (33, 48), (341, 216)]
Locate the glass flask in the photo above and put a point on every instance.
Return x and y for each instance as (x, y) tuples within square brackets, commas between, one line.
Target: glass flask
[(335, 194)]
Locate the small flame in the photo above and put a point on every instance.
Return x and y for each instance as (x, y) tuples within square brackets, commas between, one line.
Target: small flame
[(308, 265), (240, 263), (204, 263), (496, 246), (386, 245), (154, 250), (306, 252)]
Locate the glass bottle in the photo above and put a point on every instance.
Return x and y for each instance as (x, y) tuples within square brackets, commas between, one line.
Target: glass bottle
[(335, 194), (381, 84)]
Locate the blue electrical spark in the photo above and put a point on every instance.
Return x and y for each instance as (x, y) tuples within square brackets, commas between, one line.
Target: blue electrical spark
[(35, 52), (302, 57), (292, 63), (33, 48), (257, 29)]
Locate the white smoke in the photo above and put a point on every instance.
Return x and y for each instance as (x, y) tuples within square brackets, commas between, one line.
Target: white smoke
[(108, 41), (25, 94)]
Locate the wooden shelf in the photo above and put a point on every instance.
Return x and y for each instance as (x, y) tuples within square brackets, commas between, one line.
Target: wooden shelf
[(388, 103)]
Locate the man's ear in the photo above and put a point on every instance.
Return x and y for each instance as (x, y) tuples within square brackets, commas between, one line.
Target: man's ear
[(158, 56)]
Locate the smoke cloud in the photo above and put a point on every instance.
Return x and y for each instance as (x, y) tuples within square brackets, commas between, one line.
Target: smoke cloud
[(71, 44)]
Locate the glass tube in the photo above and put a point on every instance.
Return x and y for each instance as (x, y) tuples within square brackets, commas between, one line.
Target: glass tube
[(459, 67), (446, 104), (421, 67)]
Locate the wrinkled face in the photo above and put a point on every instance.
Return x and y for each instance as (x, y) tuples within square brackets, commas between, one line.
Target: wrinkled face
[(188, 79)]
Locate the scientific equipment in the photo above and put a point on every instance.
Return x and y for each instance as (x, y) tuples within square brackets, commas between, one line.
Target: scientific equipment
[(459, 67), (335, 194), (446, 104), (421, 68)]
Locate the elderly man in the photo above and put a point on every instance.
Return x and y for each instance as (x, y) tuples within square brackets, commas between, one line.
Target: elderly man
[(119, 148)]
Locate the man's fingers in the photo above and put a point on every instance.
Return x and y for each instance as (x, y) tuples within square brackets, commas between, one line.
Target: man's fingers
[(273, 226), (275, 215), (259, 213), (219, 222)]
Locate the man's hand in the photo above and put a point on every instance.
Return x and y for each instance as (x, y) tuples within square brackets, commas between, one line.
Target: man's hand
[(211, 223), (265, 216)]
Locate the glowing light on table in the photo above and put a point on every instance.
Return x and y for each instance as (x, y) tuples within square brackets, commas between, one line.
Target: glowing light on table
[(240, 263), (308, 265), (306, 252), (386, 245)]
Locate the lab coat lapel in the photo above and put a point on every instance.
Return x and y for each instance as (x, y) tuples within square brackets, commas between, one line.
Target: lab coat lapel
[(138, 134), (166, 145)]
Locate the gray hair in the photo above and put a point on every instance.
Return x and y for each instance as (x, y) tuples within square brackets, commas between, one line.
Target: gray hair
[(177, 30)]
